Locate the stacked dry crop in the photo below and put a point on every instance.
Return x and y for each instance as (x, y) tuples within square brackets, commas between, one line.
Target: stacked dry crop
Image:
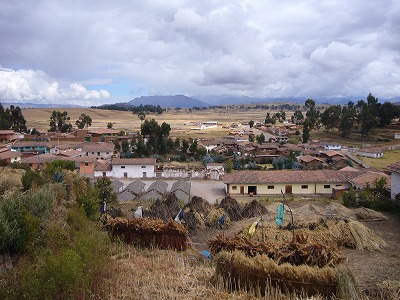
[(150, 233)]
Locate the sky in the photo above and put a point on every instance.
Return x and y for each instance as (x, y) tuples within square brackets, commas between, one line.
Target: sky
[(91, 52)]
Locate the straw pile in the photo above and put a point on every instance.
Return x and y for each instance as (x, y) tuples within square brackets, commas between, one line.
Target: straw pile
[(150, 233), (212, 219), (367, 214), (296, 253), (253, 209), (365, 238), (232, 208), (164, 209), (259, 274), (335, 233)]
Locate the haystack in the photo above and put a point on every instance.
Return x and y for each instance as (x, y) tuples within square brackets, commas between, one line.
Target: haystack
[(365, 238), (367, 214), (150, 233), (297, 252), (196, 212), (253, 209), (259, 274), (164, 209), (213, 219), (232, 208)]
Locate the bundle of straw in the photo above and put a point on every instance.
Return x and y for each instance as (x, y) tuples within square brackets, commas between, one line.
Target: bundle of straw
[(150, 233)]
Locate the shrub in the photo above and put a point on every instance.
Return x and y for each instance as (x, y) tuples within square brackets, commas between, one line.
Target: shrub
[(31, 179)]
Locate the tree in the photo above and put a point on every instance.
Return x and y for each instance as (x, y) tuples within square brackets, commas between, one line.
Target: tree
[(260, 138), (367, 115), (312, 115), (306, 131), (141, 115), (106, 193), (387, 113), (110, 125), (347, 119), (330, 118), (193, 147), (251, 123), (185, 146), (297, 117), (12, 118), (125, 146), (59, 121), (84, 120), (251, 138)]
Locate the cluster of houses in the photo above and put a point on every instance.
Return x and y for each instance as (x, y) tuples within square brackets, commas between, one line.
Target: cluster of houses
[(325, 166)]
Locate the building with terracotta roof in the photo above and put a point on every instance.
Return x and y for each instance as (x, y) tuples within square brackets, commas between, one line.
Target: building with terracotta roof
[(9, 157), (133, 167), (395, 179), (288, 181), (311, 162), (84, 164)]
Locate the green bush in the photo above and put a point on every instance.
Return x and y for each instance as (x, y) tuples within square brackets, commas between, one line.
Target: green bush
[(31, 179)]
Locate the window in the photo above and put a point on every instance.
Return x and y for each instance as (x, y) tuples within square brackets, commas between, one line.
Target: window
[(92, 153), (98, 153), (304, 186), (271, 187), (107, 152), (86, 164), (104, 174), (327, 186), (122, 167), (158, 174), (143, 167), (234, 187)]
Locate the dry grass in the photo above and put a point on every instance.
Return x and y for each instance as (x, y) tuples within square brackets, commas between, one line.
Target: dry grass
[(164, 274), (127, 121)]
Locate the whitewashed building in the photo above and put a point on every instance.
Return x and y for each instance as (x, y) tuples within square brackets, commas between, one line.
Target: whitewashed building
[(395, 179), (133, 167), (373, 153)]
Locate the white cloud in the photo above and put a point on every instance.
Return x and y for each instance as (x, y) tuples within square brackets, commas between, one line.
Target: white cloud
[(32, 85), (259, 48)]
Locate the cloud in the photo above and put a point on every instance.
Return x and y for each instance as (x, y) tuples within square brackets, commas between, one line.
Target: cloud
[(257, 48), (33, 85)]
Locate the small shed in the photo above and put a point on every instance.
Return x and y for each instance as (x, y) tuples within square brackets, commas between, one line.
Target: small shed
[(117, 186)]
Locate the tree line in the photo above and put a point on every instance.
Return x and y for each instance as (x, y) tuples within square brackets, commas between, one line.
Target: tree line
[(12, 118), (363, 116), (135, 109)]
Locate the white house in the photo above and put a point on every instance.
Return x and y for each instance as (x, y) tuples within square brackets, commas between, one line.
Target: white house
[(133, 167), (99, 150), (332, 146), (395, 179), (397, 136), (373, 153)]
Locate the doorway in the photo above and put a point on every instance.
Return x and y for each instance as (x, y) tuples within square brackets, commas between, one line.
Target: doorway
[(288, 189)]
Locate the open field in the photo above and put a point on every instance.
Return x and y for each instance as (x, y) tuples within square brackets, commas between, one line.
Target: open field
[(388, 158), (127, 121)]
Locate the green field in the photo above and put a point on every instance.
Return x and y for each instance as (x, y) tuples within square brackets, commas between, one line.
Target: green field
[(388, 158)]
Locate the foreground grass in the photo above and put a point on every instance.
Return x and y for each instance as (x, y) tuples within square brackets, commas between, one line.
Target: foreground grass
[(163, 274)]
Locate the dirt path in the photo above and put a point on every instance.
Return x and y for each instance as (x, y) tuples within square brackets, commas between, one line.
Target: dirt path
[(371, 268)]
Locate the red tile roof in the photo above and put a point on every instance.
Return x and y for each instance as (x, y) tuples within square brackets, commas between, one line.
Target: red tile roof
[(134, 161), (394, 167), (368, 178), (290, 176), (98, 147)]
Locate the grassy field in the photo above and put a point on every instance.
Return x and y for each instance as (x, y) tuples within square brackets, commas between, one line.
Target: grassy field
[(388, 158)]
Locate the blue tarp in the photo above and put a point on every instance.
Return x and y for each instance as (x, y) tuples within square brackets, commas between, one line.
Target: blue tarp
[(280, 213)]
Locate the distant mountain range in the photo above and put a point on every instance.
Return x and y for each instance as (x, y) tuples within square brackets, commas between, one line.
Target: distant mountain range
[(208, 100), (200, 101)]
